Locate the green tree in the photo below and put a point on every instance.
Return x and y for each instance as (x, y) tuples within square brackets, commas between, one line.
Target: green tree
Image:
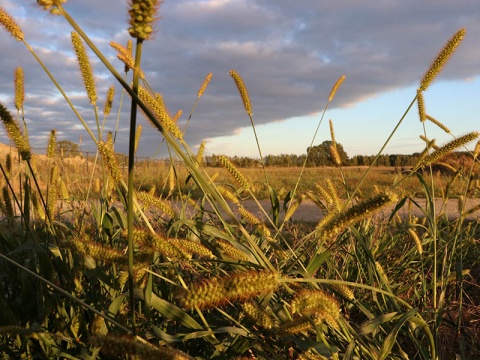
[(320, 155), (68, 148)]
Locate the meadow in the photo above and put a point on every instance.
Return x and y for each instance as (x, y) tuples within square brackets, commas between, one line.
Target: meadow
[(102, 260)]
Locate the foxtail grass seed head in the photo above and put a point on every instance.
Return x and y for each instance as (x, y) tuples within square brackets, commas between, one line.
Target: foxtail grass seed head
[(19, 88), (448, 148), (138, 134), (339, 82), (10, 25), (51, 5), (242, 89), (142, 15), (151, 200), (308, 302), (177, 116), (335, 224), (242, 181), (230, 251), (333, 195), (227, 194), (421, 106), (476, 151), (416, 240), (248, 216), (204, 85), (201, 150), (110, 161), (332, 132), (220, 290), (125, 56), (117, 346), (85, 67), (438, 123), (258, 315), (52, 191), (291, 210), (7, 201), (8, 164), (109, 100), (442, 58), (15, 134), (334, 154), (344, 291), (52, 144), (155, 103), (430, 143)]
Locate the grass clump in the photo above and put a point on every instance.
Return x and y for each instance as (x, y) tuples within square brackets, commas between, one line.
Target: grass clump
[(125, 266)]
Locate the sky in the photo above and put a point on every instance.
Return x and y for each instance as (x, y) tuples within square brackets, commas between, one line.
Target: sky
[(289, 54)]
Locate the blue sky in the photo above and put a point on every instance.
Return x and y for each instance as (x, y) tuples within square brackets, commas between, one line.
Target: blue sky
[(289, 53)]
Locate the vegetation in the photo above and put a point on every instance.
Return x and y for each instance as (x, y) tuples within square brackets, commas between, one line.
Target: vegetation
[(180, 269)]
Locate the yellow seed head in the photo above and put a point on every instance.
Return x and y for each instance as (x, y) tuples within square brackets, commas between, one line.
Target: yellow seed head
[(118, 346), (242, 89), (227, 194), (332, 192), (442, 59), (200, 152), (142, 15), (344, 291), (63, 189), (248, 216), (332, 132), (234, 172), (421, 106), (476, 152), (194, 248), (205, 84), (125, 56), (155, 103), (151, 200), (85, 67), (7, 201), (339, 82), (110, 161), (309, 302), (52, 144), (109, 101), (438, 123), (334, 154), (10, 25), (416, 239), (177, 116), (336, 223), (52, 190), (8, 164), (448, 148), (19, 88), (51, 5), (258, 315), (230, 251), (138, 134), (291, 210), (14, 133), (219, 290)]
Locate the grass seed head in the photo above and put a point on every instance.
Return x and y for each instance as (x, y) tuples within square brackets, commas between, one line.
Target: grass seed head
[(339, 82), (421, 106), (438, 123), (448, 148), (242, 181), (442, 58), (19, 88), (109, 101), (258, 315), (52, 144), (10, 25), (85, 67), (205, 84), (142, 15), (110, 161), (15, 134), (242, 89), (7, 202)]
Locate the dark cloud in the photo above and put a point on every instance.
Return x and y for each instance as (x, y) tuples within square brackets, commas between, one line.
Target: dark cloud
[(289, 53)]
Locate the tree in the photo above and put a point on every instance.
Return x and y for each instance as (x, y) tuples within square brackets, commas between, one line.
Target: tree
[(68, 148), (320, 155)]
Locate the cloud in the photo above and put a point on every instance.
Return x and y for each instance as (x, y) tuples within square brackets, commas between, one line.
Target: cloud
[(289, 53)]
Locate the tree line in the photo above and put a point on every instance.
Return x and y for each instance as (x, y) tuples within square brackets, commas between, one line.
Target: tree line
[(319, 155)]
